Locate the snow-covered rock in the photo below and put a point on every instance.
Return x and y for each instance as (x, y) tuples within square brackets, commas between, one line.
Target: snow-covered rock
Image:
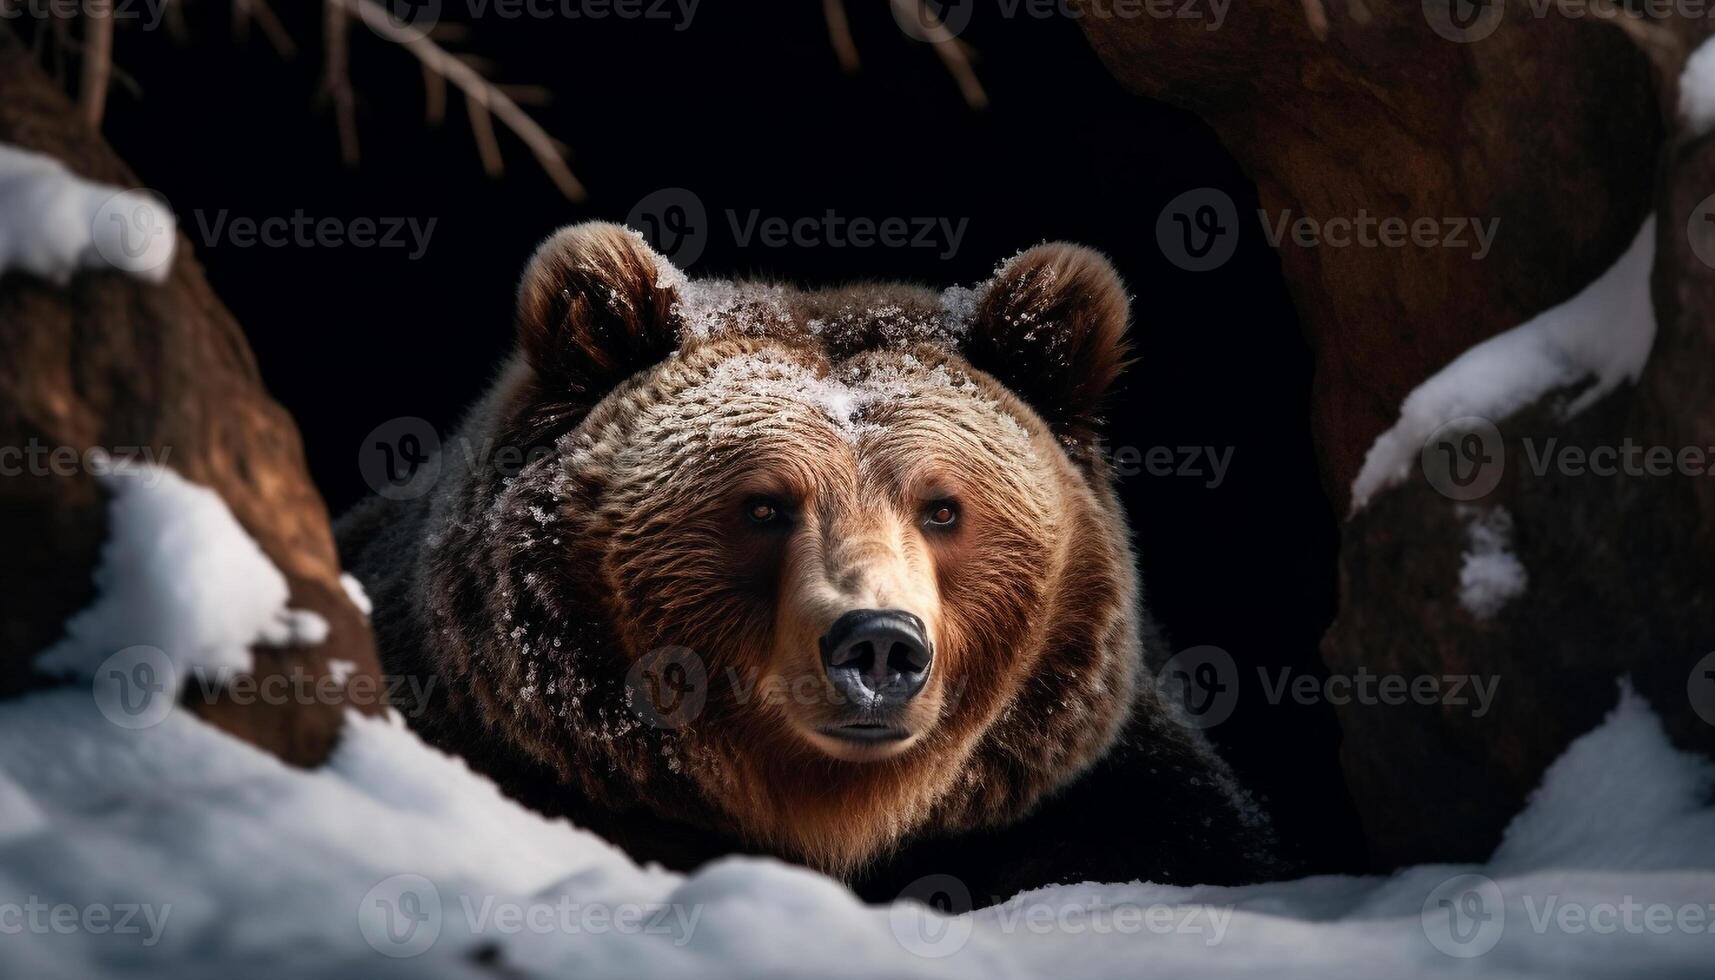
[(53, 223), (180, 577), (1603, 335)]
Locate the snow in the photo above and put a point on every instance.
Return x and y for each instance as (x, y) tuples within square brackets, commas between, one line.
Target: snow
[(396, 860), (1491, 575), (178, 575), (1697, 90), (356, 593), (1603, 334), (176, 850), (53, 223)]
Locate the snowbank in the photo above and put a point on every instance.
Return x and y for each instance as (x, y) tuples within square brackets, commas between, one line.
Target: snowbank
[(1603, 334), (172, 849), (53, 223), (395, 860)]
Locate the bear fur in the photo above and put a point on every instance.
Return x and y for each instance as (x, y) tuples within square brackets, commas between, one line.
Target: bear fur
[(590, 539)]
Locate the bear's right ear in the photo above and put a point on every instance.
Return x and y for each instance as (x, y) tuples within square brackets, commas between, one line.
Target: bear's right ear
[(596, 306)]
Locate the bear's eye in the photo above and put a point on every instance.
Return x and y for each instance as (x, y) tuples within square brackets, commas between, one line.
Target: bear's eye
[(941, 514), (761, 510)]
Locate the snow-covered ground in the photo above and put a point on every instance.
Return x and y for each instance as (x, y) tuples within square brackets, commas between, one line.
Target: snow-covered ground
[(163, 847), (394, 860)]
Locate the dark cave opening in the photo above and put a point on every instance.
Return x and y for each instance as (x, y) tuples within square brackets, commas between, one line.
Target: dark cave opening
[(1236, 539)]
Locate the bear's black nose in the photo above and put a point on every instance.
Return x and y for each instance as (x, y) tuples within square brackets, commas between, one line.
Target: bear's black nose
[(877, 658)]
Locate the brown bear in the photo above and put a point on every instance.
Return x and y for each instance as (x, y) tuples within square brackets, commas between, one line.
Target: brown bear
[(835, 575)]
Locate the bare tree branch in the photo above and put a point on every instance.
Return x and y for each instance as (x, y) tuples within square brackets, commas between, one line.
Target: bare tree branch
[(840, 34), (480, 94), (97, 61), (951, 52), (336, 77)]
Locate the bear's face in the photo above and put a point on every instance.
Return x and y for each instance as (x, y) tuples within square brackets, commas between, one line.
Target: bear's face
[(771, 500), (865, 531)]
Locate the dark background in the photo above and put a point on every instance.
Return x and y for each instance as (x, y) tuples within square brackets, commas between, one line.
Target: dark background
[(748, 109)]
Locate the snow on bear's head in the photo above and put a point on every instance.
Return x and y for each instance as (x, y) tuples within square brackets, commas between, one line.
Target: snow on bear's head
[(818, 568)]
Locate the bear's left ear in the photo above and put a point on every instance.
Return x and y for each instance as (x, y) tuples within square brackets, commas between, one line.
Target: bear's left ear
[(1051, 325), (595, 306)]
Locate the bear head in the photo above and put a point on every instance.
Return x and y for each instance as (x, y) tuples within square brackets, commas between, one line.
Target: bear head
[(816, 568)]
